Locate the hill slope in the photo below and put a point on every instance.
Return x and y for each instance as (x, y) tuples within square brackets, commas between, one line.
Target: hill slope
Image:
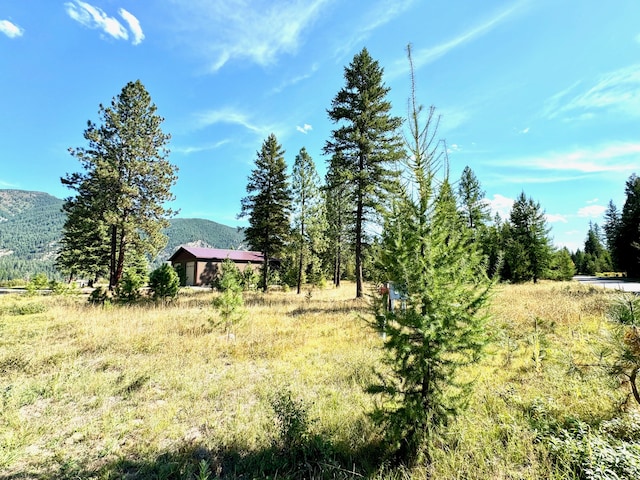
[(31, 227), (30, 224)]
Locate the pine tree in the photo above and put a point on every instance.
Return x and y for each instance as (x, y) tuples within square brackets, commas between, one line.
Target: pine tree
[(474, 209), (268, 204), (339, 214), (432, 261), (611, 231), (308, 217), (120, 195), (628, 238), (596, 257), (367, 143), (528, 248), (84, 248)]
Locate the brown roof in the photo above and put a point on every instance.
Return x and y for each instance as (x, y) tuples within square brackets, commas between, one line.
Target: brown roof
[(220, 254)]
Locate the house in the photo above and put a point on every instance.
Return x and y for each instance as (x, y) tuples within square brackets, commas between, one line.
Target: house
[(202, 265)]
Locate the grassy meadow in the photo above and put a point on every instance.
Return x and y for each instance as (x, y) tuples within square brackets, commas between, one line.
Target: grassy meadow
[(148, 391)]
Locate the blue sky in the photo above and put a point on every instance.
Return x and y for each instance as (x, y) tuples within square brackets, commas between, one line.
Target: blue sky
[(540, 96)]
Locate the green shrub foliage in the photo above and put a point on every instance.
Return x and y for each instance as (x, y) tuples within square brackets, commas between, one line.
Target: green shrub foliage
[(429, 255), (164, 282), (128, 290)]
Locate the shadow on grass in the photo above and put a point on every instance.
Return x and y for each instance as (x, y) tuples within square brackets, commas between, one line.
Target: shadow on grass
[(315, 458)]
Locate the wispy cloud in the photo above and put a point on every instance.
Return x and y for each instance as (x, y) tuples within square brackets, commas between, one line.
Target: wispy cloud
[(306, 128), (295, 80), (232, 117), (134, 26), (11, 30), (204, 148), (95, 18), (615, 157), (592, 211), (617, 91), (555, 218), (236, 29), (425, 56), (378, 14)]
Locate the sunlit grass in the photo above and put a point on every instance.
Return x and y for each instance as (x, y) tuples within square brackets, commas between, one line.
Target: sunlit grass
[(129, 391)]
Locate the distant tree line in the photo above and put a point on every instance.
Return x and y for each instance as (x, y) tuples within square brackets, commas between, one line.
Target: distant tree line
[(319, 230), (616, 246)]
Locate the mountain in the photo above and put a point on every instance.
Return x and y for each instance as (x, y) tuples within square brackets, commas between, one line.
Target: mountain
[(30, 224), (31, 227)]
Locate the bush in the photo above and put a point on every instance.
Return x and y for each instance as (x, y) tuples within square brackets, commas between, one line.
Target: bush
[(30, 308), (230, 301), (40, 281), (61, 288), (128, 290), (164, 282), (98, 296)]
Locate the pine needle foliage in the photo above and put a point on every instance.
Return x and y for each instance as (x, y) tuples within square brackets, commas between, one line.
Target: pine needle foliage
[(268, 204), (429, 255), (366, 144)]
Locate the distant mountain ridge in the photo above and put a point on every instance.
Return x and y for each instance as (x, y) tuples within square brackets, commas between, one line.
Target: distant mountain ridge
[(31, 228)]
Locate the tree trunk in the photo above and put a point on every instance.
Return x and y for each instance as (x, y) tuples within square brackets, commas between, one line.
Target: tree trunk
[(358, 232), (337, 266), (112, 259), (634, 387), (265, 273), (121, 254), (301, 259)]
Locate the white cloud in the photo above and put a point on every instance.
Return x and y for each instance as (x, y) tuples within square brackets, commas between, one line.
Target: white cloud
[(425, 56), (205, 148), (592, 211), (295, 80), (614, 157), (524, 131), (236, 29), (378, 15), (617, 91), (11, 30), (134, 26), (95, 18), (230, 116), (306, 128), (555, 218), (501, 205)]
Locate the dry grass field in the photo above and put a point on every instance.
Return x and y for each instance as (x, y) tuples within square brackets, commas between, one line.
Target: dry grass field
[(162, 392)]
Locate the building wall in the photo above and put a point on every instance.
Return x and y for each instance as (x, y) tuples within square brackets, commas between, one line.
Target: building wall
[(205, 271)]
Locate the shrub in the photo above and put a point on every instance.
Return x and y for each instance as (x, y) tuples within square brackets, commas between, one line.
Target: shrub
[(30, 308), (60, 288), (40, 281), (230, 301), (164, 282), (98, 296), (128, 290)]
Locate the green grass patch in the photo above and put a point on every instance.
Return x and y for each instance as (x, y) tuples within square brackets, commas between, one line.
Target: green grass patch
[(148, 392)]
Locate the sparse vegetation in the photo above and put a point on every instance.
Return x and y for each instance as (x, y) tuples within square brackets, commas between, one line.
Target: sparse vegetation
[(144, 392)]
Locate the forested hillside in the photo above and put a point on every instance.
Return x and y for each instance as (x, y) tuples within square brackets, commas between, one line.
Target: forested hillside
[(31, 227), (205, 232)]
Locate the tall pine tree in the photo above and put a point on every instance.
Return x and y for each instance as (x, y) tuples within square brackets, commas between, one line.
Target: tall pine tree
[(475, 210), (436, 266), (528, 247), (268, 204), (120, 195), (628, 238), (367, 143), (308, 217), (339, 215)]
